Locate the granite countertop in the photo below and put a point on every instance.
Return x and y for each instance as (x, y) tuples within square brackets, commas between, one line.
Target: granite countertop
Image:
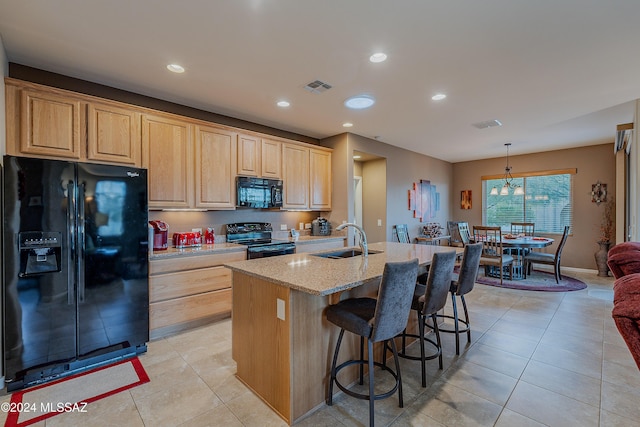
[(315, 275), (197, 250)]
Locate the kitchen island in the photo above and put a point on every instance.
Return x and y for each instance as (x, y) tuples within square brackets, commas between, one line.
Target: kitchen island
[(282, 342)]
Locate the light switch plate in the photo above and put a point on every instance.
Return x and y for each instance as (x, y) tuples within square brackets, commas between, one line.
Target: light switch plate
[(379, 223), (283, 227), (280, 309)]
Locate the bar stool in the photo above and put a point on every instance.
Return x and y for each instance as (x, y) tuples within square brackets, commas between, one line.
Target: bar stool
[(460, 286), (377, 320), (427, 301)]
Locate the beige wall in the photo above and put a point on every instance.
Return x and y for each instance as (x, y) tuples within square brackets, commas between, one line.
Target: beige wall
[(374, 204), (593, 163), (403, 168)]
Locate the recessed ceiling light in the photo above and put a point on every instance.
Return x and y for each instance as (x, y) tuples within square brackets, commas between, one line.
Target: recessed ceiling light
[(359, 102), (438, 96), (378, 57), (283, 104), (175, 68), (347, 125)]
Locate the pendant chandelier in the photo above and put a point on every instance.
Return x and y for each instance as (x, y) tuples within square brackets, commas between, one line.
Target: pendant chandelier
[(508, 181)]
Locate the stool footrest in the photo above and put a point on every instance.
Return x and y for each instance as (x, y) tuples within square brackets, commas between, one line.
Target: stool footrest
[(402, 353), (451, 331), (362, 395)]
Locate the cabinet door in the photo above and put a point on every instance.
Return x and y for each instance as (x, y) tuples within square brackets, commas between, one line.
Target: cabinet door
[(320, 179), (113, 134), (168, 154), (50, 125), (248, 155), (215, 168), (295, 176), (271, 158)]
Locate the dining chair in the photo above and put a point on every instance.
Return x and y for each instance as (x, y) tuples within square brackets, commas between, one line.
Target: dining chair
[(492, 251), (401, 233), (523, 228), (459, 232), (526, 229), (548, 259)]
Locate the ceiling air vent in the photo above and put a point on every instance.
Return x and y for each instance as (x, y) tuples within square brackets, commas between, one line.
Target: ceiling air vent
[(317, 86), (487, 124)]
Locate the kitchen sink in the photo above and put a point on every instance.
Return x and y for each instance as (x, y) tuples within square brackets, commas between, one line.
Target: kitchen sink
[(344, 253)]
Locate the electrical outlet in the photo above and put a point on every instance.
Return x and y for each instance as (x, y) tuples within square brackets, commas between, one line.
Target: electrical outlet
[(379, 223), (283, 227), (307, 226), (301, 226), (280, 309)]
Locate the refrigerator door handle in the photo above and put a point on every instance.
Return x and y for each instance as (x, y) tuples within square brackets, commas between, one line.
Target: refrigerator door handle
[(81, 242), (71, 239)]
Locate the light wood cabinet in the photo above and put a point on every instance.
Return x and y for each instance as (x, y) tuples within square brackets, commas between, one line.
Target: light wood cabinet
[(48, 124), (248, 155), (215, 158), (295, 174), (189, 290), (113, 133), (54, 123), (271, 158), (168, 154), (307, 177), (319, 180)]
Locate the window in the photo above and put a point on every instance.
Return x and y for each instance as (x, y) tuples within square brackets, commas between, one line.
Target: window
[(547, 201)]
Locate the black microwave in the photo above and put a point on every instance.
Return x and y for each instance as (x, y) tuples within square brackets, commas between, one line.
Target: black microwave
[(258, 193)]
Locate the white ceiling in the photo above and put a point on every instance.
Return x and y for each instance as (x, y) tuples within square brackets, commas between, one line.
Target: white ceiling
[(556, 73)]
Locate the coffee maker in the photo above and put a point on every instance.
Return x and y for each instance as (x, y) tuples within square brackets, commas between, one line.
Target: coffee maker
[(160, 232)]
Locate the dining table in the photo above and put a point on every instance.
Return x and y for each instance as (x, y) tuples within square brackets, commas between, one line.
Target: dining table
[(521, 244)]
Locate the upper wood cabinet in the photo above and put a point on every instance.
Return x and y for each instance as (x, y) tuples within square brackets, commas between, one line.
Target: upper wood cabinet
[(54, 123), (215, 159), (295, 174), (259, 156), (113, 133), (168, 154), (319, 179), (248, 155), (271, 158), (44, 124)]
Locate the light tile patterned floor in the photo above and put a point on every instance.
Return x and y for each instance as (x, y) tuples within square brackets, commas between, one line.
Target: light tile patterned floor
[(535, 359)]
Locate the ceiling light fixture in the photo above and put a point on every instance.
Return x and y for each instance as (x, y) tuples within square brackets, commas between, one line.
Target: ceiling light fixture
[(356, 157), (508, 181), (347, 125), (283, 104), (438, 96), (378, 57), (359, 102), (175, 68)]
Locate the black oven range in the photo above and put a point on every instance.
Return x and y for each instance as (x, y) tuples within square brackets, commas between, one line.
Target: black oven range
[(257, 237)]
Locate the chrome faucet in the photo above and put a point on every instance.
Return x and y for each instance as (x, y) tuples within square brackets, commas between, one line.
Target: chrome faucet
[(363, 237)]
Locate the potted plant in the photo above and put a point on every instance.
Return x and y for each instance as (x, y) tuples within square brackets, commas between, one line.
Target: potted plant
[(606, 237)]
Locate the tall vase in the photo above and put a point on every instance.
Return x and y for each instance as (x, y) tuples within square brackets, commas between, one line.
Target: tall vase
[(601, 258)]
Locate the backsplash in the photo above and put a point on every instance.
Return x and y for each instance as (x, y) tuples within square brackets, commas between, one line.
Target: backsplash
[(185, 221)]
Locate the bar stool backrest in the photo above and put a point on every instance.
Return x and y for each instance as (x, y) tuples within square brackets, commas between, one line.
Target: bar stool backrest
[(394, 299), (438, 282), (469, 268)]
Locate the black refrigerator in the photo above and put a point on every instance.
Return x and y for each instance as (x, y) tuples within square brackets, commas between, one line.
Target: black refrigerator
[(75, 278)]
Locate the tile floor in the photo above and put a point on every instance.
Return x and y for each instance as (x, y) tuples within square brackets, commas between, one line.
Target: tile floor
[(536, 359)]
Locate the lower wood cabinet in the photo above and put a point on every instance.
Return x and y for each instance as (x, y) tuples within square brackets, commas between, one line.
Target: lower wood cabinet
[(187, 291)]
